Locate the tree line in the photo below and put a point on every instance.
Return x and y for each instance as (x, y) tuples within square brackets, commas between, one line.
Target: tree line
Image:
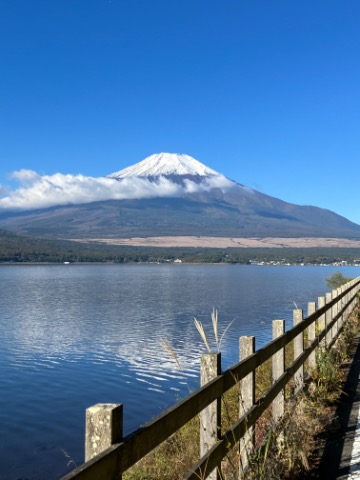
[(22, 249)]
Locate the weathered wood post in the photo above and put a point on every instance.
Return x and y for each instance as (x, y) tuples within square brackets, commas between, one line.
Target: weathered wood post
[(246, 401), (278, 368), (342, 304), (338, 308), (341, 319), (346, 299), (328, 318), (351, 297), (334, 311), (356, 291), (210, 417), (312, 335), (298, 350), (321, 320), (103, 428), (353, 293)]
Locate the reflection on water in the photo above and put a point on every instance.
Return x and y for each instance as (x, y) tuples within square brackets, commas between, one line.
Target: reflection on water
[(73, 336)]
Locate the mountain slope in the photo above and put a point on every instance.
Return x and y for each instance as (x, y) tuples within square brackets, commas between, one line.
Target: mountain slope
[(207, 203)]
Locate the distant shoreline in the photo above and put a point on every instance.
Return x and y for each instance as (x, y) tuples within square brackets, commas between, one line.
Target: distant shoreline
[(171, 264)]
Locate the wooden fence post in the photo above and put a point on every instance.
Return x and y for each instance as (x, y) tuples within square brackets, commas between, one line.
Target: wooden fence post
[(321, 320), (103, 428), (328, 318), (312, 335), (357, 289), (346, 300), (342, 304), (334, 311), (298, 350), (210, 417), (278, 368), (341, 301), (353, 292), (246, 401)]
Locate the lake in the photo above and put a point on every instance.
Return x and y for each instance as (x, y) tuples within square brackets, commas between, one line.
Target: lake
[(76, 335)]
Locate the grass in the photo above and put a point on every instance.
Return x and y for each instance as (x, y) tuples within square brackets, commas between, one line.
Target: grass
[(283, 450), (307, 416), (172, 459)]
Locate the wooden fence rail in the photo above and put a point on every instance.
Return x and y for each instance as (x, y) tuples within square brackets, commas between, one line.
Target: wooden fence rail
[(109, 455)]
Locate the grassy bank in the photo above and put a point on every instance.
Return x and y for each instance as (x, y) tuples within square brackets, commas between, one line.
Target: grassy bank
[(283, 451)]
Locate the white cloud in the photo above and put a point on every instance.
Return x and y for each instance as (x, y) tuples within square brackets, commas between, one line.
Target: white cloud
[(42, 191), (219, 181), (25, 177), (216, 181)]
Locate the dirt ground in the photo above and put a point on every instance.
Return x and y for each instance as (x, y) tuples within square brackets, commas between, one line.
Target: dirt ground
[(227, 242)]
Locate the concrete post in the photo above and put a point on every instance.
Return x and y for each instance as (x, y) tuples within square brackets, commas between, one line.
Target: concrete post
[(246, 401), (278, 368), (312, 335), (103, 428), (298, 350), (210, 417), (328, 318)]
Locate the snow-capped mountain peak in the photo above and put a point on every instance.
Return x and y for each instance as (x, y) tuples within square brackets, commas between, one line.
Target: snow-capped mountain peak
[(166, 164)]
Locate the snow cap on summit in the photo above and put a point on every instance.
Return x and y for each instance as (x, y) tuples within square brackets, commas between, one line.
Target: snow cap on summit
[(165, 164)]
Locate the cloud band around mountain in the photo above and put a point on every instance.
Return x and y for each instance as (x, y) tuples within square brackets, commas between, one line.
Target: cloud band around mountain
[(42, 191)]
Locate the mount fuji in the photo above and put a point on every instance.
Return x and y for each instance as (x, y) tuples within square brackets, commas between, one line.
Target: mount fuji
[(178, 168), (166, 194), (168, 164)]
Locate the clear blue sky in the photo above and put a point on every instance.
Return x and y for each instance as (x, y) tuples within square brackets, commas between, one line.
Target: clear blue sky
[(265, 92)]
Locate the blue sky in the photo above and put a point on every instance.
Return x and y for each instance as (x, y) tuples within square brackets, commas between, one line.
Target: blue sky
[(267, 93)]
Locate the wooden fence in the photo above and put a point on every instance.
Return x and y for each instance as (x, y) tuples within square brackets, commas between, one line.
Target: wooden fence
[(108, 454)]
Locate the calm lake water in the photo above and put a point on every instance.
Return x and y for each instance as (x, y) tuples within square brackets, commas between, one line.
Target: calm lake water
[(73, 336)]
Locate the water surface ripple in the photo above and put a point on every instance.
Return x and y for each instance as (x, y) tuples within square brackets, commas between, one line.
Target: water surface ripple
[(73, 336)]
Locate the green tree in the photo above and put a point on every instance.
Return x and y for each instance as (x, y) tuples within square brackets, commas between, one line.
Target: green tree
[(336, 280)]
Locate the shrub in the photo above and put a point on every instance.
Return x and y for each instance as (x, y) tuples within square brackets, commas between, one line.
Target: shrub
[(336, 280)]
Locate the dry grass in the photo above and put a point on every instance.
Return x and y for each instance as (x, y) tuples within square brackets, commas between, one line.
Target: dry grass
[(172, 459), (283, 450), (286, 448)]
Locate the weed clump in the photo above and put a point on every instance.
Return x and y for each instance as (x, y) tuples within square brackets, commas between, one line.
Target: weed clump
[(284, 450), (287, 447)]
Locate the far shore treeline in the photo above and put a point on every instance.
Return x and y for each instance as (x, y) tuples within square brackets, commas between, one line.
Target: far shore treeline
[(21, 249)]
